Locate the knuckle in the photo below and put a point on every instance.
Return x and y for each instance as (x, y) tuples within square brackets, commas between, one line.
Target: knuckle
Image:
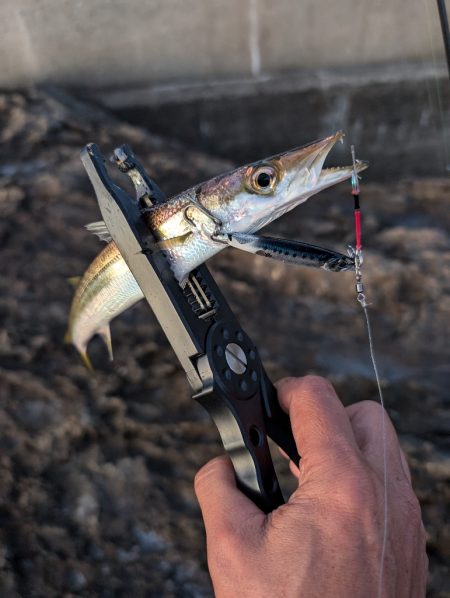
[(225, 535), (205, 472), (307, 387), (199, 478), (197, 484), (371, 408), (371, 413), (314, 385), (287, 382)]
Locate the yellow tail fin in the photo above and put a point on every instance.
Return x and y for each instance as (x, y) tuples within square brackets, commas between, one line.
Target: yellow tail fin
[(81, 350), (86, 360)]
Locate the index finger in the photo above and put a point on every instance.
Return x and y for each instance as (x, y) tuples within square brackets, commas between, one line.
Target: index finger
[(320, 424), (377, 439)]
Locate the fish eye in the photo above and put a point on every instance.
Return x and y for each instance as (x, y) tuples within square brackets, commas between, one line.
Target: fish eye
[(263, 179)]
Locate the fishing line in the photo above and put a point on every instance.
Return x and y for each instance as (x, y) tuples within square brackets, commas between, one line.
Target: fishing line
[(444, 26), (383, 437), (445, 30), (358, 257), (357, 254)]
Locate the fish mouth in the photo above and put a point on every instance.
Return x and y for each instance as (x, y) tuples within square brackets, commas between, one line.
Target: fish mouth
[(309, 175), (319, 152), (331, 176), (309, 159), (322, 178)]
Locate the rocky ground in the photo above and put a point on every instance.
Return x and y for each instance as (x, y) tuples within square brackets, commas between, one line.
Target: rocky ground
[(96, 469)]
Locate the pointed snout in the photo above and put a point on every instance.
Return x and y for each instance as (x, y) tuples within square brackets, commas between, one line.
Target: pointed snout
[(306, 165), (311, 156)]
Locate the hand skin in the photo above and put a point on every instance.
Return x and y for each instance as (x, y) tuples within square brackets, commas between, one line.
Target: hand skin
[(327, 540)]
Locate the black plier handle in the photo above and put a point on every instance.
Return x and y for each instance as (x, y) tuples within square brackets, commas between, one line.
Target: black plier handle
[(221, 362)]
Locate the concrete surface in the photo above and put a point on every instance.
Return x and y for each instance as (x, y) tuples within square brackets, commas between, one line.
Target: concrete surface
[(109, 44), (397, 115)]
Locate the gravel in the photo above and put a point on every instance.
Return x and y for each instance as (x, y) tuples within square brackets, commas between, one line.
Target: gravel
[(96, 469)]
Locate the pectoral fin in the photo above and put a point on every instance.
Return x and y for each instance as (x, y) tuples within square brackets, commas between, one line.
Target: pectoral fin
[(173, 242), (99, 229)]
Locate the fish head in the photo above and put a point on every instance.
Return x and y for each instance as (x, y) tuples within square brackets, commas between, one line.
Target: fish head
[(255, 195)]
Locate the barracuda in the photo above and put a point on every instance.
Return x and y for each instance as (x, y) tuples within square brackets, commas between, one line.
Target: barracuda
[(191, 227)]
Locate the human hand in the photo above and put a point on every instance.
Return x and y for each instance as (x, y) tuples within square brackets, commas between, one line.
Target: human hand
[(328, 539)]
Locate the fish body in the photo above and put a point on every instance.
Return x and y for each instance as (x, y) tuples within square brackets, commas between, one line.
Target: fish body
[(188, 226), (106, 289), (243, 201)]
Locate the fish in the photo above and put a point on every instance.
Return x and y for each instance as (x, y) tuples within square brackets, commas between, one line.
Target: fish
[(189, 228), (106, 289)]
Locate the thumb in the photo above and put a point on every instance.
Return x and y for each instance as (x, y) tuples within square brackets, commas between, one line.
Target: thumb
[(225, 509)]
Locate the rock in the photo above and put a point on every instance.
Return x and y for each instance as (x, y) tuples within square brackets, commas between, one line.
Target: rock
[(149, 541), (75, 581), (438, 466)]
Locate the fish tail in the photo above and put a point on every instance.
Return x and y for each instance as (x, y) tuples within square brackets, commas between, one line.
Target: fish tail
[(82, 350), (86, 359)]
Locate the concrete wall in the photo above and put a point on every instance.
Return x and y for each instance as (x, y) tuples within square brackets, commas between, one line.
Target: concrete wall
[(398, 116), (105, 43)]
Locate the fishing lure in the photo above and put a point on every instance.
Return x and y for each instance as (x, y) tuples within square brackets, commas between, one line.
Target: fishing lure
[(356, 253), (200, 222)]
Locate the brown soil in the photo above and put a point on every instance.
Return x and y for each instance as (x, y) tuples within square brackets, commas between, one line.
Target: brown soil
[(96, 470)]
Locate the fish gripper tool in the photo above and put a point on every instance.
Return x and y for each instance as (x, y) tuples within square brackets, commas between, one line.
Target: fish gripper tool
[(222, 364)]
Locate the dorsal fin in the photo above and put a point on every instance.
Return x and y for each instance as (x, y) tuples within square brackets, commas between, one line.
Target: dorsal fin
[(99, 229), (74, 281)]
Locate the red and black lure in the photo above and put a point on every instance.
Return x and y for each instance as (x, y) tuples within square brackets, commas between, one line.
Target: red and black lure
[(356, 252)]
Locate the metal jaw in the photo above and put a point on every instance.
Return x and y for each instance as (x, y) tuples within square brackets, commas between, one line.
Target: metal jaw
[(221, 363)]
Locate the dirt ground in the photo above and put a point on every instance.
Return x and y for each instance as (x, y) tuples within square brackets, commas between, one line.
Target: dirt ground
[(96, 470)]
